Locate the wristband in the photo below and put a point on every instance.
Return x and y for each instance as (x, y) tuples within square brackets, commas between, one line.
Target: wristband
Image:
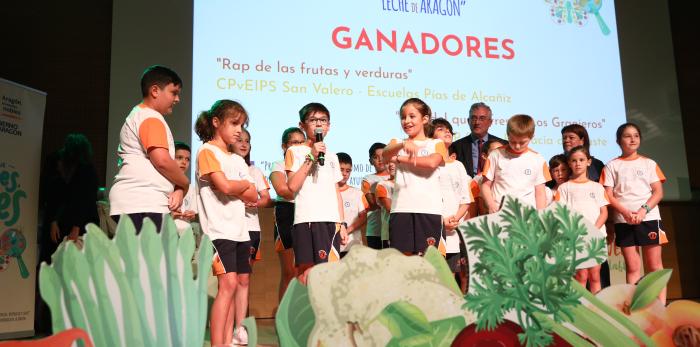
[(310, 157), (646, 207)]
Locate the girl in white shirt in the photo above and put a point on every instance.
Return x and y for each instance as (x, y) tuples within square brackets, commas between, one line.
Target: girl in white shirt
[(224, 187), (587, 198), (633, 184)]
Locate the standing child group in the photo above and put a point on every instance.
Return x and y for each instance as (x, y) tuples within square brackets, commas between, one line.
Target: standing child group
[(416, 198)]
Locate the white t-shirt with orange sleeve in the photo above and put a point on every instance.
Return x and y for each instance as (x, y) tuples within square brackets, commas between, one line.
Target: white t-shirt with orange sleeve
[(354, 203), (585, 198), (138, 187), (317, 200), (374, 218), (631, 182), (385, 189), (221, 216), (417, 190), (251, 213), (455, 186), (515, 174)]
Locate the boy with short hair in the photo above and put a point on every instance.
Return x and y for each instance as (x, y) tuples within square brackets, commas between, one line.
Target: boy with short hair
[(515, 169), (369, 186), (149, 182), (187, 212), (318, 227), (354, 205)]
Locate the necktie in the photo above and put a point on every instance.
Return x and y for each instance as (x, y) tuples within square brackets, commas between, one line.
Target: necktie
[(480, 165)]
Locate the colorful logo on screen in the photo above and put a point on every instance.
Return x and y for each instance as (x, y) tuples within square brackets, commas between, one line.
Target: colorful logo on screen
[(577, 12), (446, 8)]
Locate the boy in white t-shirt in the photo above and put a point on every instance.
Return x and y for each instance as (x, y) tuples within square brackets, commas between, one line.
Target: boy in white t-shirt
[(313, 172), (149, 182), (456, 197), (369, 185), (354, 205), (188, 211), (515, 169)]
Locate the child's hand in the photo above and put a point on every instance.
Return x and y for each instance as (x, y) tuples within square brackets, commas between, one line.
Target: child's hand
[(639, 216), (74, 232), (251, 204), (188, 215), (410, 148), (450, 223), (175, 199), (493, 208), (55, 232), (318, 148), (343, 235), (628, 216)]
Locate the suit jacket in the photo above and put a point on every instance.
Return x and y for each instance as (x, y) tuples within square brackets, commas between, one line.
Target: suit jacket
[(463, 150)]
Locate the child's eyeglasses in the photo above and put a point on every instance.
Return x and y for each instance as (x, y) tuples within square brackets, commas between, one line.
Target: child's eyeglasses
[(319, 121)]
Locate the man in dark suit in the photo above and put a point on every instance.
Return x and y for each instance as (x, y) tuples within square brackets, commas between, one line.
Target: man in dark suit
[(469, 147)]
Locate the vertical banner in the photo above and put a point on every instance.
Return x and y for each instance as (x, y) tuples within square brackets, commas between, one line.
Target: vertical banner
[(21, 126)]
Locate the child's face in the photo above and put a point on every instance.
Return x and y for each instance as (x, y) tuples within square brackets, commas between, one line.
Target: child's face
[(392, 168), (313, 121), (346, 170), (295, 138), (570, 140), (242, 145), (377, 161), (560, 173), (412, 121), (182, 158), (444, 134), (518, 144), (229, 129), (165, 98), (630, 141), (579, 163)]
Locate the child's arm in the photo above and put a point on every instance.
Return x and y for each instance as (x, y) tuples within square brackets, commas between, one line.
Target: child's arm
[(250, 195), (264, 199), (369, 195), (486, 188), (657, 193), (166, 166), (358, 223), (626, 214), (602, 217), (392, 149), (341, 213), (235, 188), (432, 161), (279, 182), (540, 196), (462, 211)]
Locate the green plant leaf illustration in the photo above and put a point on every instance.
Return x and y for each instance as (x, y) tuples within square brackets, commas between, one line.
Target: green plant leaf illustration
[(295, 318), (252, 329), (404, 319), (648, 288), (433, 256)]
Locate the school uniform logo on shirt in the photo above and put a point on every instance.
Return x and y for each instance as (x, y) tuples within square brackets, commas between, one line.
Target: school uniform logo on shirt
[(423, 152), (347, 204), (528, 172), (332, 165), (640, 173), (592, 195)]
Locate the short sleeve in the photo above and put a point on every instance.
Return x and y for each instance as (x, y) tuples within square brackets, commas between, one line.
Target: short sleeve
[(294, 158), (152, 134), (606, 177), (543, 175), (601, 196), (546, 173), (337, 174), (382, 192), (557, 196), (490, 166), (260, 181), (366, 186), (207, 162), (362, 202), (441, 149), (657, 175), (465, 194)]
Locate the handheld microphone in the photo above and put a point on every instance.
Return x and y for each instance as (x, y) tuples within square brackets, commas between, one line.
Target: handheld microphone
[(319, 138)]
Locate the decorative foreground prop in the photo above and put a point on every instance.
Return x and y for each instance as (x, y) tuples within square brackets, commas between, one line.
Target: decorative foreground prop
[(521, 291), (132, 290)]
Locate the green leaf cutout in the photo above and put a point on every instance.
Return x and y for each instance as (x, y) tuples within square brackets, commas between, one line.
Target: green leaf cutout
[(648, 288), (445, 330), (433, 256), (404, 319), (295, 317)]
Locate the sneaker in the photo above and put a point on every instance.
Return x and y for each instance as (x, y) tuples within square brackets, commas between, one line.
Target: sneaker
[(240, 337)]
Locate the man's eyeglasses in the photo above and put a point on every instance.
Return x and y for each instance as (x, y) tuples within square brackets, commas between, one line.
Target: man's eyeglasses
[(473, 118)]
